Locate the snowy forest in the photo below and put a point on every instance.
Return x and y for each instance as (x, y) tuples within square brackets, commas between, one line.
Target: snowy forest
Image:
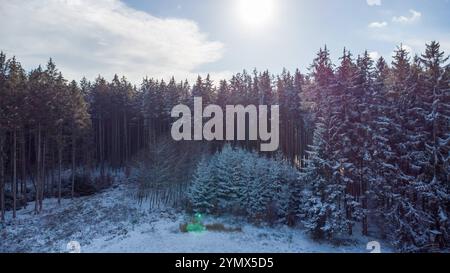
[(364, 146)]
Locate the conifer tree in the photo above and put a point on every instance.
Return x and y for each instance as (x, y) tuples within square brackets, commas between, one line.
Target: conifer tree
[(321, 209), (15, 87), (435, 176), (324, 213), (3, 100), (202, 193)]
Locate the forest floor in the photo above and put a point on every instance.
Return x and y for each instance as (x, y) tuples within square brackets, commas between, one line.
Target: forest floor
[(113, 221)]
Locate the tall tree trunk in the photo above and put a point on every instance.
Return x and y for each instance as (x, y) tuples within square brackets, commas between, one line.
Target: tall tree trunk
[(101, 144), (2, 179), (59, 172), (38, 173), (365, 200), (43, 173), (24, 176), (125, 131), (52, 181), (73, 165), (125, 128), (14, 172)]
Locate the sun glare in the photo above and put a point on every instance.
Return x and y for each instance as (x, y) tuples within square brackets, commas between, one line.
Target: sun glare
[(256, 13)]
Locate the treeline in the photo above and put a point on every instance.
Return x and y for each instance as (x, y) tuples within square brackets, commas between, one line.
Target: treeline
[(381, 148), (43, 118), (378, 163), (49, 125)]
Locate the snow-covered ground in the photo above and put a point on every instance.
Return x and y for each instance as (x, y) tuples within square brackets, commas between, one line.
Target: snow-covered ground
[(113, 221)]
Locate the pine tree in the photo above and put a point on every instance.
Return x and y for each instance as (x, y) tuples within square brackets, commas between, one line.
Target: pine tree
[(203, 89), (39, 93), (435, 176), (362, 154), (324, 212), (202, 193), (301, 131), (288, 90), (321, 209), (15, 87), (3, 100), (79, 121), (403, 213), (385, 160), (265, 89), (151, 108), (223, 94), (295, 187), (227, 177)]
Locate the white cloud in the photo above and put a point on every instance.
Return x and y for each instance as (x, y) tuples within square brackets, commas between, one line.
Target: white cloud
[(87, 38), (378, 24), (374, 2), (415, 16)]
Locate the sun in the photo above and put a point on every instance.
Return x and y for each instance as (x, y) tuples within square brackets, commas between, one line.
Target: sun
[(256, 13)]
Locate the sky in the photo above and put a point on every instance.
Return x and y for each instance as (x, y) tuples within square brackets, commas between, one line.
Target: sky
[(186, 38)]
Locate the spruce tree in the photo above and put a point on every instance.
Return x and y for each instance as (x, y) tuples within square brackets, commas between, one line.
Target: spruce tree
[(202, 193), (435, 176), (15, 87), (3, 100), (324, 213), (321, 209)]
